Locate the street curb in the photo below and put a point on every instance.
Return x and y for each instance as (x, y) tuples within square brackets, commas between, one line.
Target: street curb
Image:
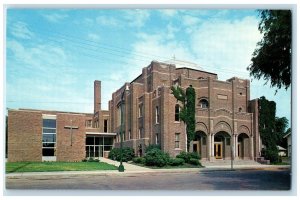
[(116, 172)]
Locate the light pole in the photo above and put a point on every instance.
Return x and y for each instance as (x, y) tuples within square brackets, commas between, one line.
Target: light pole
[(232, 150), (121, 166)]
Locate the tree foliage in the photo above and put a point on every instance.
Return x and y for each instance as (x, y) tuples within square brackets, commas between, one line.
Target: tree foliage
[(271, 128), (272, 56), (187, 111), (280, 130), (267, 111)]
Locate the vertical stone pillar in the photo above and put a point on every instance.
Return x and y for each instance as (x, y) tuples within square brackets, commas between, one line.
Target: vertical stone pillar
[(251, 148), (212, 146), (209, 146), (236, 146), (211, 125), (233, 144)]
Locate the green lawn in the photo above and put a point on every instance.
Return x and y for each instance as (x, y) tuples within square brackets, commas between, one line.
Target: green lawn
[(56, 166)]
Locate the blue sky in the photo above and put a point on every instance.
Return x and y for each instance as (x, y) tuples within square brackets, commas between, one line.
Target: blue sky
[(53, 56)]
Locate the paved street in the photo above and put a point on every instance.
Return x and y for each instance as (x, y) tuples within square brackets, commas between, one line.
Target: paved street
[(255, 179)]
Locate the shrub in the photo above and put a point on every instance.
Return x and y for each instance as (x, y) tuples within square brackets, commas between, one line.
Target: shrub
[(272, 155), (176, 161), (194, 161), (91, 160), (186, 156), (156, 157), (152, 146), (139, 160), (115, 154)]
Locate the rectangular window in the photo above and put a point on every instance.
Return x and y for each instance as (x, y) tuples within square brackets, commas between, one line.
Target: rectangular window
[(129, 135), (49, 123), (49, 137), (139, 133), (177, 140), (156, 115), (141, 110), (177, 111), (88, 123), (105, 126), (119, 113), (156, 138)]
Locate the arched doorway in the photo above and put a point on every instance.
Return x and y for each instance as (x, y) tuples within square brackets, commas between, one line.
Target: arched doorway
[(200, 144), (243, 148), (222, 145)]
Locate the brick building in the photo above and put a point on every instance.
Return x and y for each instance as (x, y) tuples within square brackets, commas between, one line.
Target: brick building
[(226, 120)]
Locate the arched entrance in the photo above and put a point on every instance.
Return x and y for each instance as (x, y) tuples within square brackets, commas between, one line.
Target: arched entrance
[(200, 144), (243, 148), (222, 145)]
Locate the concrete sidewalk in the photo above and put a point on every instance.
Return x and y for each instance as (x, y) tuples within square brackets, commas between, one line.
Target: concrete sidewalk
[(131, 169)]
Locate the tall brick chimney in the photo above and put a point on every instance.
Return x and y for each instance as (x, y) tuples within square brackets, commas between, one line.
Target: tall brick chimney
[(97, 96)]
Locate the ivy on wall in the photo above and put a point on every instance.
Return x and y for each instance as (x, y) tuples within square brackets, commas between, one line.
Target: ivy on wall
[(187, 111)]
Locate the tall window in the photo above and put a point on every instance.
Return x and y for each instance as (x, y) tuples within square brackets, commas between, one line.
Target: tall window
[(140, 110), (203, 103), (49, 137), (177, 137), (129, 135), (177, 111), (156, 138), (139, 133), (105, 126), (88, 123), (156, 115), (119, 115)]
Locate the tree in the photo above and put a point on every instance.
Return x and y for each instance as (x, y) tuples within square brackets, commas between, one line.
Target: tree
[(280, 130), (267, 111), (272, 56), (187, 112)]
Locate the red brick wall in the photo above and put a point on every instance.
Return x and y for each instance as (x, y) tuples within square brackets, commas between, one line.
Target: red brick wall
[(24, 136), (64, 150)]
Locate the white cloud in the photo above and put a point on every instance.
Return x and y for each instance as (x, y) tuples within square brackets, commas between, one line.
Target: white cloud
[(224, 44), (43, 77), (188, 20), (107, 21), (55, 17), (37, 57), (136, 18), (20, 30), (167, 13), (93, 37), (171, 31)]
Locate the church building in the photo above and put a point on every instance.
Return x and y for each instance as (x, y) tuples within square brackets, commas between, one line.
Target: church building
[(226, 120)]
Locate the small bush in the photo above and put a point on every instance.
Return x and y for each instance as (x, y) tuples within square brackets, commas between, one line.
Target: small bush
[(176, 161), (152, 146), (186, 156), (272, 155), (139, 160), (194, 161), (156, 157), (91, 160), (115, 154)]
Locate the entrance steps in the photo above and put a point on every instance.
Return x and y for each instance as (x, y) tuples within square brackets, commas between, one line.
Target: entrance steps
[(228, 162)]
